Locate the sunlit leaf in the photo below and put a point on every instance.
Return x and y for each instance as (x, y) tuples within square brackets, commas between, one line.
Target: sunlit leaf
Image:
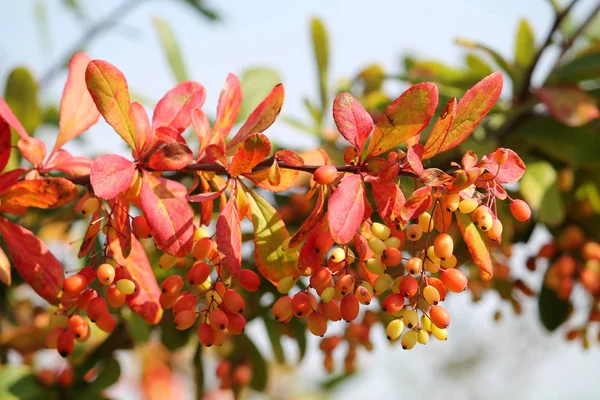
[(39, 193), (111, 175), (254, 149), (228, 109), (256, 84), (540, 189), (524, 45), (90, 234), (476, 243), (19, 382), (581, 68), (229, 238), (510, 171), (346, 208), (32, 149), (172, 157), (416, 203), (63, 161), (174, 110), (352, 120), (316, 215), (388, 198), (288, 178), (569, 104), (442, 126)]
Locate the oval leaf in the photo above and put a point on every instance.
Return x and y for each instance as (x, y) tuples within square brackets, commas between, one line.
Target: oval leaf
[(253, 150), (442, 126), (388, 198), (569, 104), (174, 110), (352, 120), (230, 101), (346, 208), (172, 157), (416, 203), (476, 243), (229, 238), (111, 175), (39, 193)]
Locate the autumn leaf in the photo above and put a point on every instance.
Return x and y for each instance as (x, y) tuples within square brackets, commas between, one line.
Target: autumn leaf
[(440, 130), (511, 170), (170, 218), (32, 259), (309, 258), (110, 93), (61, 160), (9, 118), (471, 109), (111, 175), (261, 118), (5, 276), (202, 129), (32, 149), (174, 110), (269, 234), (90, 234), (434, 177), (230, 101), (9, 178), (414, 154), (287, 179), (136, 267), (416, 203), (5, 144), (145, 135), (476, 243), (311, 221), (569, 104), (39, 193), (171, 157), (229, 238), (408, 115), (346, 208), (120, 225), (388, 198), (352, 120), (254, 149), (289, 157), (208, 196), (77, 109)]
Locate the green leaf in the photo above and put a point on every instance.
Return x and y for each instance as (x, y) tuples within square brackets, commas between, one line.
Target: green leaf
[(256, 84), (524, 45), (321, 48), (497, 57), (109, 375), (478, 66), (553, 311), (274, 332), (245, 349), (138, 329), (200, 6), (21, 94), (20, 383), (539, 188), (171, 49), (333, 382), (582, 68)]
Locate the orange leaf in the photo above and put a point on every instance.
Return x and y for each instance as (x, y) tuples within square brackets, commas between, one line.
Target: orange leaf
[(77, 109), (346, 208), (253, 150), (38, 267), (289, 157), (202, 128), (4, 269), (477, 246), (388, 198), (9, 178), (120, 226), (261, 179), (174, 110), (311, 221), (438, 135), (32, 149), (229, 238), (569, 104), (61, 160), (228, 109), (145, 135), (471, 110), (144, 301), (170, 218), (416, 203), (39, 193), (261, 118), (408, 115), (90, 234), (171, 157)]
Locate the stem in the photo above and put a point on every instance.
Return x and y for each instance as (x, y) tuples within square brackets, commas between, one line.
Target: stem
[(569, 43), (96, 29), (523, 91)]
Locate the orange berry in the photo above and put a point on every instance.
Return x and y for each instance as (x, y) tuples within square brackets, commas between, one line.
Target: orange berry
[(520, 210), (439, 285), (106, 322), (236, 324), (74, 324), (408, 286), (85, 297), (391, 256), (65, 343), (414, 232), (414, 266), (349, 308), (363, 295), (75, 284), (501, 155), (233, 302), (249, 280), (321, 279), (479, 212), (495, 233), (301, 305), (325, 174), (454, 280), (198, 273), (96, 308), (185, 319), (172, 284), (186, 302), (317, 324), (331, 310), (451, 202), (439, 316), (443, 246), (393, 303), (115, 297), (106, 274), (218, 319), (167, 300), (282, 308), (206, 335), (202, 248), (140, 227), (65, 379), (431, 295)]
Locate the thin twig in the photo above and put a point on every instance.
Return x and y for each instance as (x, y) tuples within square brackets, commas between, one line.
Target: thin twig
[(104, 24), (523, 91), (569, 43)]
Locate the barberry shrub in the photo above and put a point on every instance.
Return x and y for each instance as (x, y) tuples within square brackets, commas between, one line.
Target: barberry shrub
[(164, 229)]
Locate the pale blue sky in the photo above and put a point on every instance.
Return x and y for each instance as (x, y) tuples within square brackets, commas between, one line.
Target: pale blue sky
[(275, 33)]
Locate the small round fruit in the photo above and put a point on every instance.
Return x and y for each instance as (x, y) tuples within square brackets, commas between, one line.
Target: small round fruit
[(391, 256), (325, 174), (233, 302), (167, 261), (115, 297), (520, 210), (126, 286), (328, 294), (410, 318), (140, 227), (422, 336), (408, 286), (443, 246), (501, 155), (90, 206), (380, 231), (439, 333), (185, 319), (454, 280), (106, 323), (485, 222), (451, 202), (96, 308), (425, 222), (282, 308), (106, 274), (495, 233), (382, 283), (317, 324), (249, 280), (65, 343), (349, 308), (467, 206), (75, 284), (199, 273), (172, 284), (414, 266), (394, 329), (375, 265), (409, 340), (338, 255), (439, 316), (432, 296), (286, 284), (414, 232), (206, 335), (376, 245), (200, 233), (218, 319), (202, 248)]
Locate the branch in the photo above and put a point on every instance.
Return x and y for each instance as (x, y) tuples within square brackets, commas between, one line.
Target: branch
[(523, 91), (104, 24), (569, 43)]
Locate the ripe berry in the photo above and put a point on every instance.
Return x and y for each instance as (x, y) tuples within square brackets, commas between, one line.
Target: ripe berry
[(282, 308), (236, 324), (414, 266), (96, 308), (301, 305), (167, 261), (338, 255), (432, 296), (90, 206), (349, 308), (198, 273), (66, 377), (479, 212), (233, 302), (325, 174), (167, 300), (380, 231), (52, 338), (450, 262), (393, 242), (394, 329), (501, 155), (425, 222), (391, 257), (410, 318), (85, 297), (331, 310), (126, 286), (393, 303), (106, 322), (242, 375), (77, 326), (363, 295), (185, 319), (206, 335), (75, 284), (323, 242), (408, 286), (454, 280), (439, 333), (115, 297), (443, 246), (140, 227), (485, 222), (414, 232), (202, 248), (467, 206), (218, 319), (426, 323), (439, 316), (106, 274), (409, 340), (520, 210), (317, 324), (422, 336), (185, 302), (65, 343), (436, 283), (451, 202), (249, 280), (172, 284)]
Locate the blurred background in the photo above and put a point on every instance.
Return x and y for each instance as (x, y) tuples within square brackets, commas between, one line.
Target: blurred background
[(157, 43)]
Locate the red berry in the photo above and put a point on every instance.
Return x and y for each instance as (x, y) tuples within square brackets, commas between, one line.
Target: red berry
[(106, 322), (206, 335), (439, 316), (236, 324), (115, 297), (218, 319), (331, 310), (140, 227), (408, 286), (325, 174), (391, 256), (75, 284), (393, 303), (282, 308), (84, 298), (186, 302), (172, 284), (520, 210), (349, 308), (96, 308), (249, 280), (233, 302), (65, 343), (198, 273), (454, 280), (317, 324), (301, 305)]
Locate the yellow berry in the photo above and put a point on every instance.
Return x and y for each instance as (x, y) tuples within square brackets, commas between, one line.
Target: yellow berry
[(200, 233), (393, 242), (90, 206), (167, 261), (382, 283), (380, 231), (414, 232), (410, 318), (425, 222), (126, 286), (286, 284), (439, 333), (426, 323), (467, 206), (394, 329), (328, 294), (338, 255), (375, 265), (422, 336), (377, 246), (409, 339)]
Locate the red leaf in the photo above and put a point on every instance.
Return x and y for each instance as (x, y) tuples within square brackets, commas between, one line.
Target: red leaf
[(38, 267), (408, 115), (215, 152), (111, 175), (174, 110), (120, 226), (569, 104), (434, 177), (202, 128), (416, 203), (145, 135), (352, 120), (33, 150), (170, 218), (413, 156), (5, 143), (261, 118), (228, 109), (476, 243), (438, 135), (471, 110), (261, 179), (10, 119), (5, 276), (172, 157), (202, 197), (346, 208), (253, 150), (136, 267), (40, 193), (90, 234), (77, 109), (61, 160), (510, 171), (110, 92), (229, 238), (166, 135), (309, 258), (311, 221), (388, 198), (9, 178), (289, 157)]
